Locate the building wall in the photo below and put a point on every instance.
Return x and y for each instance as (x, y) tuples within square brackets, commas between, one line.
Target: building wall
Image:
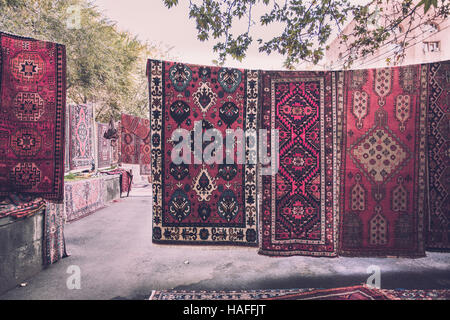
[(414, 53)]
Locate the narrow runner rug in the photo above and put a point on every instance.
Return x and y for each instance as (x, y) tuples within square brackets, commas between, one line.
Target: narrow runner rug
[(104, 146), (83, 198), (199, 203), (438, 237), (32, 113), (347, 293), (299, 212), (81, 121), (54, 242), (383, 179)]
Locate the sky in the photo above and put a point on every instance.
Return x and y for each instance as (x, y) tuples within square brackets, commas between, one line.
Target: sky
[(151, 21)]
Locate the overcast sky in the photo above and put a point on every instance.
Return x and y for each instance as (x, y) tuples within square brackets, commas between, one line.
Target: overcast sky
[(151, 20)]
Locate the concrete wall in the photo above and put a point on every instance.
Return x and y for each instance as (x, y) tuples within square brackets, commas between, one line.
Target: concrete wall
[(112, 188), (21, 242), (21, 251)]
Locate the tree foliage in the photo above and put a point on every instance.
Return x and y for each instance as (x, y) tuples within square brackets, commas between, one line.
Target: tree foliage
[(307, 25), (105, 66)]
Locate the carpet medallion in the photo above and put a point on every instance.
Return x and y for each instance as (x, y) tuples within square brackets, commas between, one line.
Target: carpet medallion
[(298, 211), (383, 176), (32, 113), (200, 203), (81, 121)]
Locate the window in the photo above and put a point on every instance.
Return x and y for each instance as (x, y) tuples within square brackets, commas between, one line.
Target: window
[(431, 28), (433, 46)]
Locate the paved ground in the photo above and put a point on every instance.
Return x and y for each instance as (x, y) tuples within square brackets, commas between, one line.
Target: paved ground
[(117, 260)]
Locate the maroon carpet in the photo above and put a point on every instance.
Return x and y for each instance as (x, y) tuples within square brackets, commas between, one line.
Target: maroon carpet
[(298, 214), (439, 156), (199, 203), (32, 113), (383, 198)]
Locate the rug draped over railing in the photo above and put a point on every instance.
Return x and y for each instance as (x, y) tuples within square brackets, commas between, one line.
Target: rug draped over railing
[(383, 176), (32, 113), (195, 203), (83, 197)]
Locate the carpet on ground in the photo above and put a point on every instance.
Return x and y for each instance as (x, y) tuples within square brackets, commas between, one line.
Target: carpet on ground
[(347, 293), (54, 241), (126, 179), (438, 222), (104, 146), (299, 212), (383, 176), (32, 113), (200, 203), (83, 197), (81, 122)]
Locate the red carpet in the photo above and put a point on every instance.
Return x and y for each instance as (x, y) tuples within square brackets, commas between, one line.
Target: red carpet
[(32, 113)]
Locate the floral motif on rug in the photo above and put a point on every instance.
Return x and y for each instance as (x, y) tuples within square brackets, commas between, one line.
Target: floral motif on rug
[(83, 197), (439, 156), (32, 113), (298, 212), (81, 121), (383, 184), (104, 146), (199, 203)]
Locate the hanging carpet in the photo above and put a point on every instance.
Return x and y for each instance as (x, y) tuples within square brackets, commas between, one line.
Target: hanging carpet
[(383, 185), (299, 212), (438, 220), (32, 113), (198, 203), (81, 121), (104, 146)]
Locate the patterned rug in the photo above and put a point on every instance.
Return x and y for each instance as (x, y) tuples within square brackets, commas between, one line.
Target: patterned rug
[(299, 214), (199, 203), (439, 156), (83, 197), (81, 120), (54, 242), (104, 146), (20, 206), (349, 293), (383, 182), (32, 102)]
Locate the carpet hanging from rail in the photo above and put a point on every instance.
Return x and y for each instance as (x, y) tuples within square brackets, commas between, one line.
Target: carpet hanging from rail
[(135, 142), (104, 146), (202, 203), (81, 122), (383, 179), (438, 222), (32, 113), (298, 213)]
